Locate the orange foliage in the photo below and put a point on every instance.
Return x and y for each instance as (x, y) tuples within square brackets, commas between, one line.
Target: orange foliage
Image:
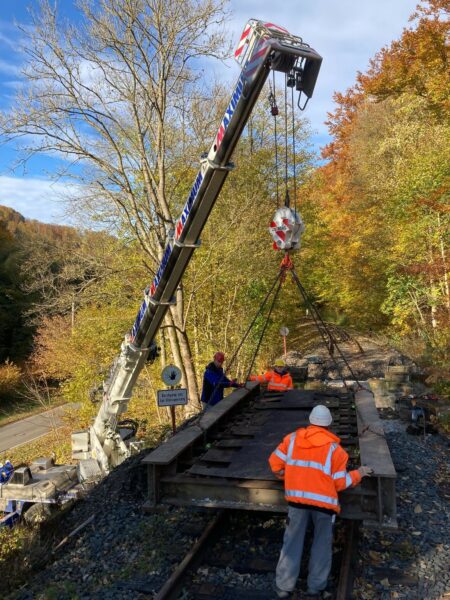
[(341, 120), (418, 62), (51, 358), (359, 233)]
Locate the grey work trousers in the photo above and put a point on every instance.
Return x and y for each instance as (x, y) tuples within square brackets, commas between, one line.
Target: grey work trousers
[(290, 559)]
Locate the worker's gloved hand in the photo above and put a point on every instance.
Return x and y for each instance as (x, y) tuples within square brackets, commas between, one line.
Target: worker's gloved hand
[(279, 474), (234, 383), (365, 471)]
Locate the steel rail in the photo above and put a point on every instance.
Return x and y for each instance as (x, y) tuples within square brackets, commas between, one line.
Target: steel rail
[(346, 573), (171, 588)]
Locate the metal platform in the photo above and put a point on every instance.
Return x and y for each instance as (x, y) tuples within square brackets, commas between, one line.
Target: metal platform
[(222, 459)]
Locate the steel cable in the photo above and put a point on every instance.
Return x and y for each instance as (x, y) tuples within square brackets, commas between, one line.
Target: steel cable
[(322, 327), (264, 328), (286, 177), (293, 149), (249, 328), (276, 145), (324, 330)]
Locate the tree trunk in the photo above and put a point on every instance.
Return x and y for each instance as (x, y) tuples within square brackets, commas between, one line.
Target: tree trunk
[(444, 265), (181, 352), (228, 319), (186, 355), (194, 399), (416, 304), (163, 353), (175, 348), (195, 327)]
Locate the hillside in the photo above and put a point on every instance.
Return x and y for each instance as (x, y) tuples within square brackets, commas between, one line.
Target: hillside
[(17, 236)]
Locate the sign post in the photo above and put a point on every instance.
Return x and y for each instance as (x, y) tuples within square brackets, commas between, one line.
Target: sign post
[(174, 422), (284, 332), (172, 397)]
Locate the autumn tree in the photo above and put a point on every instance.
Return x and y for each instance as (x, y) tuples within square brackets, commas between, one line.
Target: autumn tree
[(16, 331), (68, 269), (381, 202), (418, 63), (108, 94)]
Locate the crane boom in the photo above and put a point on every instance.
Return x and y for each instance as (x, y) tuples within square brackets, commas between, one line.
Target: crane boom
[(262, 47)]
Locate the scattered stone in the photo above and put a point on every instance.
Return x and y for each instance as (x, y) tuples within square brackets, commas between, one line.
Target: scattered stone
[(415, 558), (375, 556), (127, 555)]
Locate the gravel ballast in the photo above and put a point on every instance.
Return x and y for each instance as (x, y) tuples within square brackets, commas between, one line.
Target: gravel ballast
[(412, 562), (125, 554)]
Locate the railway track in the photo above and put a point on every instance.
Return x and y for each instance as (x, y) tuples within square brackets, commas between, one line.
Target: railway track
[(220, 463), (235, 555)]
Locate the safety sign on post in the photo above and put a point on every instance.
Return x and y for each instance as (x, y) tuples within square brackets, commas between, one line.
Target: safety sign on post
[(175, 397), (284, 332), (171, 375)]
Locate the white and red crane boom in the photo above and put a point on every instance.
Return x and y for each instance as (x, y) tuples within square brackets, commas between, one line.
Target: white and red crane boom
[(263, 47)]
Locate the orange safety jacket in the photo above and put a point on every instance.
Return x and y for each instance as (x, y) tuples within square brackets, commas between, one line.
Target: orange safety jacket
[(276, 382), (314, 467)]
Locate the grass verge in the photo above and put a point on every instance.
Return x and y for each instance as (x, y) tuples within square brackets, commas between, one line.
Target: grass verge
[(56, 444), (21, 409)]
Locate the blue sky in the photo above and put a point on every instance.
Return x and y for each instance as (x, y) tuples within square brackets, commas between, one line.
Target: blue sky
[(346, 33)]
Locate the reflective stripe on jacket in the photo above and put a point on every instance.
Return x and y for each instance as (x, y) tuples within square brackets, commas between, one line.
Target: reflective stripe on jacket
[(314, 467), (277, 382)]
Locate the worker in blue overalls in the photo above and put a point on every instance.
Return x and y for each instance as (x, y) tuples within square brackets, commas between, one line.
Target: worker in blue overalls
[(215, 381)]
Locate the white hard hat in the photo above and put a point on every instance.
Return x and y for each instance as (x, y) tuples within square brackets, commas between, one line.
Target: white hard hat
[(320, 415)]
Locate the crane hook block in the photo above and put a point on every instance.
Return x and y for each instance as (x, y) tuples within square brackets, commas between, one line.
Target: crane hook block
[(286, 229)]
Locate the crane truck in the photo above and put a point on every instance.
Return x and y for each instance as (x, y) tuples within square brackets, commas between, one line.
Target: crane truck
[(262, 48)]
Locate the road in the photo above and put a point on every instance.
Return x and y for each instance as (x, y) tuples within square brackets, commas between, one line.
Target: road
[(31, 428)]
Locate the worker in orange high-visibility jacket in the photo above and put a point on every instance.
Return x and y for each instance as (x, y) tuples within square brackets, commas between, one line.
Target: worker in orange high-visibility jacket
[(277, 379), (313, 466)]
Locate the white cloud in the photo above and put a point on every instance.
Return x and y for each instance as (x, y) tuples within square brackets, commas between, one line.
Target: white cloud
[(8, 41), (15, 84), (9, 68), (346, 33), (35, 198), (10, 36)]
